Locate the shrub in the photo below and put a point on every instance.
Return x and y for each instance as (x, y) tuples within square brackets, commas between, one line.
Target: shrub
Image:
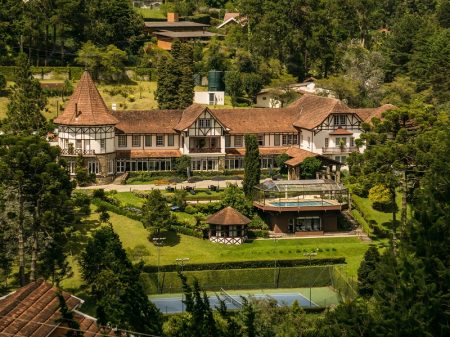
[(258, 223), (247, 264), (257, 233), (190, 209)]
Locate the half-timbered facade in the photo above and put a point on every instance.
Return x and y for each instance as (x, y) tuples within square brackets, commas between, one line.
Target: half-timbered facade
[(114, 142)]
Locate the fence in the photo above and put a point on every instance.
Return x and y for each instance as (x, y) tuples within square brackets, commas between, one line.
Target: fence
[(344, 285)]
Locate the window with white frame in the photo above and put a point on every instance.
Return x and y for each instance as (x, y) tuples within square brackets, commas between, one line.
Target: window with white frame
[(148, 140), (290, 139), (341, 141), (204, 123), (327, 142), (122, 141), (238, 141), (103, 144), (110, 166), (93, 167), (276, 140), (227, 141), (170, 140), (340, 159), (159, 140), (339, 119), (352, 142), (78, 144), (136, 141), (87, 144), (71, 166)]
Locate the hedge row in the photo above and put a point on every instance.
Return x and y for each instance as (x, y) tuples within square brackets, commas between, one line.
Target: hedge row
[(247, 264), (116, 209), (233, 279), (73, 73), (187, 231)]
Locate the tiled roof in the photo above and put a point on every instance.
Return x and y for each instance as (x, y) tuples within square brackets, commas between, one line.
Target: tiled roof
[(147, 121), (33, 311), (313, 110), (341, 132), (299, 155), (367, 114), (227, 216), (157, 153), (257, 120), (190, 114), (86, 107), (263, 151)]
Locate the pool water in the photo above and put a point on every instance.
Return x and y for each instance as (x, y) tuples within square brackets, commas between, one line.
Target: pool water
[(312, 203)]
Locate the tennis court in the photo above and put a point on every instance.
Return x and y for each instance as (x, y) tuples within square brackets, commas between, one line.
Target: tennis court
[(320, 297)]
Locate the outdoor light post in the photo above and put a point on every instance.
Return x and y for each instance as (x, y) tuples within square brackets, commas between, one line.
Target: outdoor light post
[(158, 242), (310, 255), (181, 262)]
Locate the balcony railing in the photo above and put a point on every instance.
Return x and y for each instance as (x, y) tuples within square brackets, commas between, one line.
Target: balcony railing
[(205, 150), (339, 150), (76, 152)]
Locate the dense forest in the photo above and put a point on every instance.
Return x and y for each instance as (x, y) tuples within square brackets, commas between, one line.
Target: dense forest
[(355, 47)]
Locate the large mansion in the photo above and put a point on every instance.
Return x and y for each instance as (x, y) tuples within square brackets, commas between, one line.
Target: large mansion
[(113, 142)]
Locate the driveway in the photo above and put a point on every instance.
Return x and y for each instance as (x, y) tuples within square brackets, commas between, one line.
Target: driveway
[(146, 187)]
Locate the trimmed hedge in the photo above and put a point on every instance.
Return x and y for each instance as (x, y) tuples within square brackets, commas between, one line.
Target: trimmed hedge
[(187, 231), (233, 279), (247, 264), (116, 209)]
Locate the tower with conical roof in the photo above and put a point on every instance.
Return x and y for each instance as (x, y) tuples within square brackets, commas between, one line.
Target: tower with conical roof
[(86, 128)]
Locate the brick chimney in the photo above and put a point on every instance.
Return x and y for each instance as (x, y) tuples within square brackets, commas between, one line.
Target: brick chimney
[(172, 17)]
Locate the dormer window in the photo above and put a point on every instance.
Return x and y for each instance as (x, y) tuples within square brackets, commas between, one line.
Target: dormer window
[(204, 123), (340, 120)]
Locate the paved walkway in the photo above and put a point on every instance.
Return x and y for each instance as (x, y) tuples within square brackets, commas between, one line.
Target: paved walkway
[(148, 187)]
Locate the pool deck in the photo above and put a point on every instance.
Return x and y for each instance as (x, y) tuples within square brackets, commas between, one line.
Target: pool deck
[(332, 205)]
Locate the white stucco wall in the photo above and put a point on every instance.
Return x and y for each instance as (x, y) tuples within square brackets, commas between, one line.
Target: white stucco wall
[(202, 97)]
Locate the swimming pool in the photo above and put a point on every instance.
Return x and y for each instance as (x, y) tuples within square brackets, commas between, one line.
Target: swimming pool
[(311, 203)]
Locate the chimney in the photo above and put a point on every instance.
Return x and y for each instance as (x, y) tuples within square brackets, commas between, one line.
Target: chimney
[(76, 110), (172, 17)]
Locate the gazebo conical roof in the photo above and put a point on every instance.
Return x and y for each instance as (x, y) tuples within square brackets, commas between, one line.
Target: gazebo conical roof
[(227, 217), (86, 106)]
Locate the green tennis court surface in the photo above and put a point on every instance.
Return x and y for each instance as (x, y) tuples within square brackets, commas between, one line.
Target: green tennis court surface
[(320, 297)]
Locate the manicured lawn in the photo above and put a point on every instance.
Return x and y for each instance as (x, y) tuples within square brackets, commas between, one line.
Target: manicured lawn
[(133, 234), (129, 198), (370, 214), (151, 13)]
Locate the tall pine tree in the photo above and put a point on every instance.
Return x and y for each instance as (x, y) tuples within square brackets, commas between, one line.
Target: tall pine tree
[(252, 165), (175, 84), (26, 102)]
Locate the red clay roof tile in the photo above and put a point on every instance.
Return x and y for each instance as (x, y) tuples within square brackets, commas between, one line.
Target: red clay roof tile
[(227, 217), (86, 107)]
